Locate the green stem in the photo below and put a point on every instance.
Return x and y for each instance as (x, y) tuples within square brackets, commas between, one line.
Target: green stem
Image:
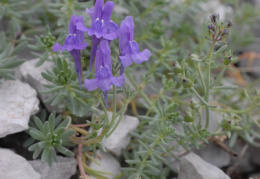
[(200, 98), (236, 111), (201, 78), (146, 98), (208, 83), (114, 105), (154, 102), (219, 77), (118, 121), (105, 110), (150, 150)]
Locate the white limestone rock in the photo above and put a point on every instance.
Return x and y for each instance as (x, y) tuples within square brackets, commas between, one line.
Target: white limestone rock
[(192, 166), (214, 155), (33, 76), (13, 166), (63, 169), (18, 101), (106, 163), (214, 7), (120, 10), (120, 138)]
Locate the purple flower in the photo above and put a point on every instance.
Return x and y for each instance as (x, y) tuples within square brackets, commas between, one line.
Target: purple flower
[(103, 71), (128, 47), (74, 42), (102, 26)]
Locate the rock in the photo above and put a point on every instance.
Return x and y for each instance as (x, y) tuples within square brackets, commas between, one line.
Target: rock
[(214, 7), (18, 102), (14, 166), (33, 76), (192, 166), (255, 155), (214, 155), (120, 138), (121, 10), (246, 163), (63, 169), (107, 163), (254, 176)]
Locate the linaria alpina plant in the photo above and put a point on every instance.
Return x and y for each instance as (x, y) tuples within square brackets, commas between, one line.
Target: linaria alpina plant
[(172, 120)]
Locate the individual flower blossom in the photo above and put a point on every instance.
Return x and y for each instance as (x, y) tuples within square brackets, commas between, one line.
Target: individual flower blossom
[(74, 42), (102, 26), (128, 47), (103, 71)]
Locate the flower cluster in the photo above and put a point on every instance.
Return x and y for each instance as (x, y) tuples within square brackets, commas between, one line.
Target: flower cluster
[(102, 32), (216, 25)]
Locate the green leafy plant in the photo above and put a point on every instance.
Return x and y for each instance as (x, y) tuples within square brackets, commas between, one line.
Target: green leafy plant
[(8, 59), (52, 136)]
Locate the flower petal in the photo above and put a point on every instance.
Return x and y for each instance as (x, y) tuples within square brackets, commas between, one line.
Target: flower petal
[(79, 33), (134, 47), (106, 54), (130, 23), (104, 77), (95, 43), (118, 81), (126, 60), (56, 47), (81, 27), (141, 57), (107, 12), (97, 29), (91, 13), (98, 9), (76, 56), (73, 19), (91, 84), (123, 36), (69, 43), (105, 84)]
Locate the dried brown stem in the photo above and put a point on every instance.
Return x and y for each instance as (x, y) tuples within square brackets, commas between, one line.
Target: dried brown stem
[(83, 175)]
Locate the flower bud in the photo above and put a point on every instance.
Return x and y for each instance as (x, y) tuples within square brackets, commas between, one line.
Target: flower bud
[(227, 125), (177, 68), (187, 83), (229, 24), (228, 59), (214, 18), (225, 35), (188, 118)]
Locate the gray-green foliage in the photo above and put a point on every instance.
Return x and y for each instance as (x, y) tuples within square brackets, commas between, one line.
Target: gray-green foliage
[(52, 137), (65, 89), (8, 59), (173, 119), (45, 44), (15, 19)]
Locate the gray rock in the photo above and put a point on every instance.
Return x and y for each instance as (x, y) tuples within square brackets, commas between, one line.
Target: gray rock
[(32, 75), (63, 169), (246, 164), (255, 155), (214, 155), (120, 138), (120, 10), (107, 163), (193, 167), (18, 102), (214, 7), (13, 166)]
